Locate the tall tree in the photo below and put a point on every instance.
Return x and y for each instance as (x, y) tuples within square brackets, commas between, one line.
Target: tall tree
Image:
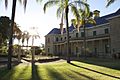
[(27, 38), (34, 36), (19, 36), (63, 9), (12, 24), (10, 51), (23, 38), (4, 28), (85, 17)]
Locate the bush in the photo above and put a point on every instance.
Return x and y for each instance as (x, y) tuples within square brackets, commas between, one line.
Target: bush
[(50, 54)]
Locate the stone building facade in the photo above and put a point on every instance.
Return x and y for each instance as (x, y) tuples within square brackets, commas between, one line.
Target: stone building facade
[(102, 39)]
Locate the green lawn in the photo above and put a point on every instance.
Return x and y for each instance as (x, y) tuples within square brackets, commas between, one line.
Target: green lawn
[(89, 69)]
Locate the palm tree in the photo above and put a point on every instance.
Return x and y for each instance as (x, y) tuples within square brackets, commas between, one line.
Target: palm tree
[(85, 17), (23, 38), (63, 8), (19, 36), (12, 24), (34, 36), (11, 34), (27, 38)]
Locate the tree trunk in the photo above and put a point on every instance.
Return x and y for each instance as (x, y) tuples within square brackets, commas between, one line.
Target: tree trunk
[(67, 31), (19, 54), (33, 51), (18, 50), (84, 41), (10, 51)]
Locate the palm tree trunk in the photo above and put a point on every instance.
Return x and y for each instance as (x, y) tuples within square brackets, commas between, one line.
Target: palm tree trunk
[(10, 51), (68, 47), (33, 51), (19, 52), (84, 41)]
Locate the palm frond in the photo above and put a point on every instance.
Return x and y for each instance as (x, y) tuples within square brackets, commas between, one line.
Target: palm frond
[(109, 2), (25, 4), (59, 11), (6, 3), (91, 21), (39, 0), (50, 3), (87, 10), (75, 11), (66, 3)]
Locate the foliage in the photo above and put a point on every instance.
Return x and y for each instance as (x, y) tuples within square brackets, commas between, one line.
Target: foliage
[(62, 4), (5, 29), (3, 50), (4, 25)]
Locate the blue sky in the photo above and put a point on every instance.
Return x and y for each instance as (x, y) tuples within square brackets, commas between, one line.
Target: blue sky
[(35, 17)]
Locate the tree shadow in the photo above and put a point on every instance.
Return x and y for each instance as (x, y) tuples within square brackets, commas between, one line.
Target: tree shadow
[(35, 73), (23, 71), (89, 78), (54, 74), (48, 60), (109, 63), (6, 74), (94, 71)]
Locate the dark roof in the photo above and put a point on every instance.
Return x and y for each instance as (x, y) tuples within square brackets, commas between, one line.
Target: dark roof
[(54, 31), (70, 28), (99, 20), (57, 31)]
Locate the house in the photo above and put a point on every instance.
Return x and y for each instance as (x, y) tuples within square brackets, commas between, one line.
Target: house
[(102, 39)]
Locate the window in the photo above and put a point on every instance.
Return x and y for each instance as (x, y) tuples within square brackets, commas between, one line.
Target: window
[(76, 49), (48, 50), (94, 33), (76, 35), (65, 38), (56, 38), (106, 31), (48, 40), (69, 36), (82, 34), (61, 39)]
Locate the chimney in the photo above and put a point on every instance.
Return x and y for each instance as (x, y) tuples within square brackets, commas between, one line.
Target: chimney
[(61, 25), (96, 14), (61, 28)]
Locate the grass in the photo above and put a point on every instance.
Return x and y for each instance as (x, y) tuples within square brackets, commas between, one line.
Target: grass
[(85, 69)]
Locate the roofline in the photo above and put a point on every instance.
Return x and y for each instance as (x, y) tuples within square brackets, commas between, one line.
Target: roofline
[(113, 17), (98, 25)]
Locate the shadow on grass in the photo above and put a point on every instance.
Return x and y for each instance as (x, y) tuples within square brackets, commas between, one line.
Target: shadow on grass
[(6, 74), (109, 63), (54, 74), (23, 71), (35, 73), (43, 60), (95, 71), (89, 78)]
